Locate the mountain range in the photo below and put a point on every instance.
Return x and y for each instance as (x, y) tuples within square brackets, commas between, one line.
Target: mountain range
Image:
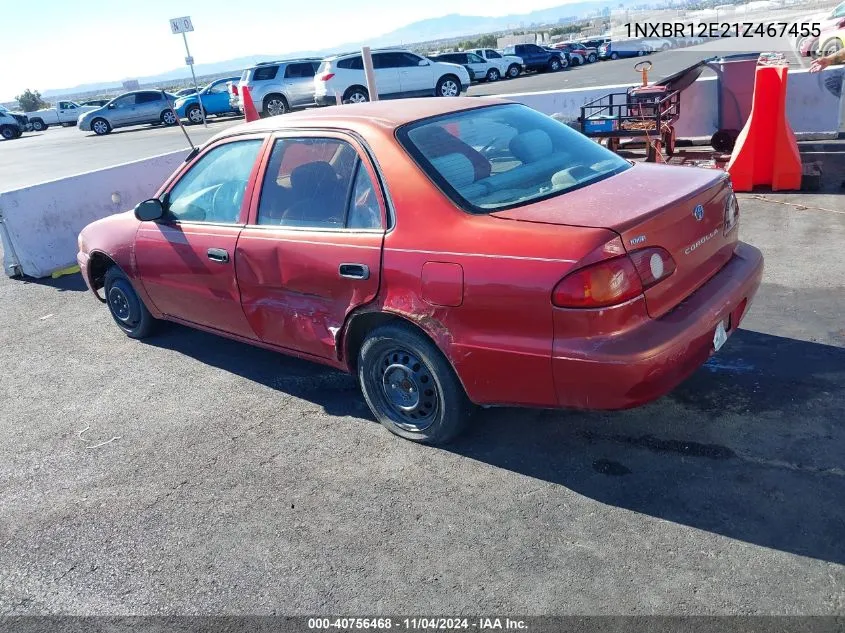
[(429, 30)]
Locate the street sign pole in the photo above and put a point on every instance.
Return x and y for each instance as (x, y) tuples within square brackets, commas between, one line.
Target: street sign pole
[(183, 25)]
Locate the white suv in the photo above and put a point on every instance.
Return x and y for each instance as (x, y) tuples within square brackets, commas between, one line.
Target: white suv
[(398, 73)]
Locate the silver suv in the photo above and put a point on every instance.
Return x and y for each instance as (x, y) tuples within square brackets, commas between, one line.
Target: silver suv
[(278, 87)]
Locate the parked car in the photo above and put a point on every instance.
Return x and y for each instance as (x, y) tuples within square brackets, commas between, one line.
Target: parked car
[(64, 113), (131, 108), (832, 40), (479, 69), (538, 58), (578, 55), (811, 44), (621, 50), (214, 97), (279, 86), (447, 253), (12, 124), (594, 43), (657, 44), (398, 73), (509, 66), (95, 102)]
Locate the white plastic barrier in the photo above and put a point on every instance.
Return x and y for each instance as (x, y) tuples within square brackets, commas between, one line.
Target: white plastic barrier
[(815, 104), (39, 224)]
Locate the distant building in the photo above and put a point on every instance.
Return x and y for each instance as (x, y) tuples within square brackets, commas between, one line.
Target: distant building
[(131, 84)]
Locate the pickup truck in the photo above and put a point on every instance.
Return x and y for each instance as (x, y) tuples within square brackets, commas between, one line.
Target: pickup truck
[(538, 58), (65, 113), (12, 124), (509, 66)]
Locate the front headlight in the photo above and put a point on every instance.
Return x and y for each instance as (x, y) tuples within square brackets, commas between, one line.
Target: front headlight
[(80, 242)]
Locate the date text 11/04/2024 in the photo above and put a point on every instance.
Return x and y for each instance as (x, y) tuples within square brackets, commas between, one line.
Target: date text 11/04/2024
[(722, 29), (418, 624)]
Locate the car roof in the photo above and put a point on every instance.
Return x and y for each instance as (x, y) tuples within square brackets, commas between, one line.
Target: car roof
[(361, 117), (292, 60), (388, 49)]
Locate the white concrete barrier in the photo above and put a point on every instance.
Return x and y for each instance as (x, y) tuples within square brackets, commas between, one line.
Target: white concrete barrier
[(39, 224), (815, 104)]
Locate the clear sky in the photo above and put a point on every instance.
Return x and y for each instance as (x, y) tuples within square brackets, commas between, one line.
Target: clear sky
[(68, 42)]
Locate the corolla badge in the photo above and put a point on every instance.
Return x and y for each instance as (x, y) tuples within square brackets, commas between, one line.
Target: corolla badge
[(698, 212)]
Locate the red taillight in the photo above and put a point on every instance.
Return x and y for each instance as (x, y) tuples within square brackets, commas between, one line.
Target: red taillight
[(235, 91), (653, 265), (326, 76), (605, 283)]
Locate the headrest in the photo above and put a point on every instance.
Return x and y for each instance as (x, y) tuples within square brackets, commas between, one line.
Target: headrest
[(457, 169), (313, 175), (531, 146)]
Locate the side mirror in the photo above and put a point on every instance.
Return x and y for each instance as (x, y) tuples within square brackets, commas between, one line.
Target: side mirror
[(111, 106), (149, 210), (423, 62)]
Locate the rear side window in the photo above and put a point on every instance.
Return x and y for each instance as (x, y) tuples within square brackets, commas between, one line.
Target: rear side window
[(351, 63), (263, 73), (491, 54), (506, 156), (147, 97), (299, 70), (510, 50), (317, 183)]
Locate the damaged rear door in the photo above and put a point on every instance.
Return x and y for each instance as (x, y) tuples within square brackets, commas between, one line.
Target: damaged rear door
[(311, 252)]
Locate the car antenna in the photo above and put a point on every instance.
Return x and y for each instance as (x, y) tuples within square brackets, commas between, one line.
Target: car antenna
[(194, 149)]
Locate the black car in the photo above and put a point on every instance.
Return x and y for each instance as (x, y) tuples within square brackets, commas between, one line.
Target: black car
[(539, 58)]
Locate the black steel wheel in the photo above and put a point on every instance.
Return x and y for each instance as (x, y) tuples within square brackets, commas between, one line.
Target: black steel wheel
[(410, 386), (125, 306)]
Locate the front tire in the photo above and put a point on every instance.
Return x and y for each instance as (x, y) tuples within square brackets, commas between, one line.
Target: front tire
[(614, 56), (592, 58), (38, 125), (514, 71), (125, 306), (831, 46), (493, 75), (554, 65), (410, 386), (8, 132), (100, 127), (168, 117), (194, 114), (448, 86)]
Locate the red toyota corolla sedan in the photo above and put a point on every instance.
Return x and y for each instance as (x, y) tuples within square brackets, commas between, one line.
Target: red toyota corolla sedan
[(450, 252)]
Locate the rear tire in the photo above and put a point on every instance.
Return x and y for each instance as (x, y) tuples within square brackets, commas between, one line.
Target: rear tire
[(275, 105), (125, 306), (410, 386), (356, 94), (100, 127)]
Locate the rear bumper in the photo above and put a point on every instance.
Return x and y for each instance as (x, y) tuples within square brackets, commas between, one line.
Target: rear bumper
[(325, 100), (626, 370)]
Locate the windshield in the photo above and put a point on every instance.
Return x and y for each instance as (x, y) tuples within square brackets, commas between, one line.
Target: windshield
[(504, 156)]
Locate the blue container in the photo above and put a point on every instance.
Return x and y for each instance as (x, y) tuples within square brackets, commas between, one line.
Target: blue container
[(601, 124)]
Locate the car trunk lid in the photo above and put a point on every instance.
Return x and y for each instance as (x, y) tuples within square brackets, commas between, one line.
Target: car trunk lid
[(679, 209)]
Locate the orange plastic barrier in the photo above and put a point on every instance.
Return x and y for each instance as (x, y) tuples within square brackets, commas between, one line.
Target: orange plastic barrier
[(250, 113), (766, 152)]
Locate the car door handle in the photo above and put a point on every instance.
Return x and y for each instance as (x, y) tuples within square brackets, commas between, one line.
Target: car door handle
[(218, 255), (354, 271)]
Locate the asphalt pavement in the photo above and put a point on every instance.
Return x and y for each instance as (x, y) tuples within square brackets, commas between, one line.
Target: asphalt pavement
[(194, 475)]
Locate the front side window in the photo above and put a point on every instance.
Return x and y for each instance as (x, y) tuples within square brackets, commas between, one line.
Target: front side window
[(125, 101), (491, 54), (504, 156), (213, 189), (474, 59), (317, 183)]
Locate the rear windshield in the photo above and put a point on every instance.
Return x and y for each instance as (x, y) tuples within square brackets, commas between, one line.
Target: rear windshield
[(505, 156)]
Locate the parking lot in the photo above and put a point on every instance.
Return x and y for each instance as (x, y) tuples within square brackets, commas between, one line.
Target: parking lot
[(60, 152), (191, 474)]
